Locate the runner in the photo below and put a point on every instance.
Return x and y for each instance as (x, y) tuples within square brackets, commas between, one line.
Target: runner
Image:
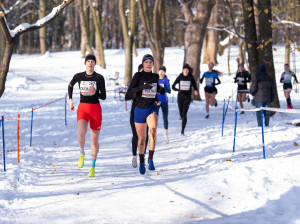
[(164, 81), (210, 89), (92, 87), (242, 78), (134, 141), (145, 86), (186, 81), (286, 79)]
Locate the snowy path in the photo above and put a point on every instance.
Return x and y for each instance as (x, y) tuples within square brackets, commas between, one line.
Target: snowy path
[(198, 179)]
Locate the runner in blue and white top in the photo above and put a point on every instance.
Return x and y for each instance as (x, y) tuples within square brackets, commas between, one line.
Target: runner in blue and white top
[(286, 79), (163, 98), (210, 90)]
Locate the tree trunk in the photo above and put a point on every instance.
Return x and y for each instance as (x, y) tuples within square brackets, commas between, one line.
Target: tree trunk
[(287, 39), (128, 28), (211, 41), (85, 44), (99, 45), (42, 31), (250, 36), (2, 45), (194, 34), (265, 41)]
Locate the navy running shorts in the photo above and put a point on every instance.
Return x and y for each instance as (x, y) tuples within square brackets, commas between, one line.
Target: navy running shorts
[(140, 115), (210, 90), (287, 86)]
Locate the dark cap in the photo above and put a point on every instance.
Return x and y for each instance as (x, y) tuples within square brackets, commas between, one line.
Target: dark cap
[(186, 66), (241, 65), (148, 56), (90, 57), (163, 68)]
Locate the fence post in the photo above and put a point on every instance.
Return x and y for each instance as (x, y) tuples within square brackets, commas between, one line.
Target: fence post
[(3, 141), (223, 117), (31, 127), (18, 138), (262, 130), (235, 128), (66, 110)]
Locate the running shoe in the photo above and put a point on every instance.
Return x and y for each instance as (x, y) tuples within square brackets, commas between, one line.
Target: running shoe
[(81, 161), (216, 103), (166, 139), (182, 132), (207, 116), (288, 107), (242, 112), (248, 98), (134, 161), (151, 164), (253, 102), (92, 172), (142, 168)]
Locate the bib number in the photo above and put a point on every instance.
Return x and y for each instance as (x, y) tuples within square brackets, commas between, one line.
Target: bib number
[(87, 87), (185, 85), (209, 81), (150, 93)]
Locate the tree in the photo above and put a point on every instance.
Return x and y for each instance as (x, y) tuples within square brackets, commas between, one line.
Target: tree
[(12, 35), (128, 27), (195, 31), (42, 31), (156, 37), (99, 45)]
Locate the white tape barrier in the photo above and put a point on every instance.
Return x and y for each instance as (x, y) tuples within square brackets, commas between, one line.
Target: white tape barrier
[(291, 111)]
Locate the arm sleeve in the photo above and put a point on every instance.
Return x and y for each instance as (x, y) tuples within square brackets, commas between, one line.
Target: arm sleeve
[(160, 89), (194, 84), (248, 77), (175, 83), (71, 85), (235, 78), (281, 78), (102, 90), (167, 86), (295, 77), (253, 88), (219, 81), (201, 80), (133, 88)]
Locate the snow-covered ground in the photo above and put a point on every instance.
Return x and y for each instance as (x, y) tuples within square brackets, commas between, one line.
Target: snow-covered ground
[(197, 178)]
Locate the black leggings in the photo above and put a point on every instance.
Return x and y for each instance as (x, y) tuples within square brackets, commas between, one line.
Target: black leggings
[(135, 138), (183, 105)]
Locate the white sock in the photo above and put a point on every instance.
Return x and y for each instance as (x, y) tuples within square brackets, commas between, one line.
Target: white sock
[(82, 151)]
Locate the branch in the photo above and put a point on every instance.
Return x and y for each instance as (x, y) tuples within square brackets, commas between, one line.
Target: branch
[(186, 10), (26, 27), (226, 29), (232, 18), (7, 11), (286, 21), (4, 27)]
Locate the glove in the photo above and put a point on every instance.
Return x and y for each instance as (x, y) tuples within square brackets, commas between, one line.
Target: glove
[(147, 86)]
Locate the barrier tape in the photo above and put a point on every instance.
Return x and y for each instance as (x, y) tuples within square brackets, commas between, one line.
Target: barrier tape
[(291, 111)]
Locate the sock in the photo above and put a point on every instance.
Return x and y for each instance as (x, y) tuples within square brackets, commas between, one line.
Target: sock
[(151, 154), (142, 158), (289, 102), (82, 151), (93, 163)]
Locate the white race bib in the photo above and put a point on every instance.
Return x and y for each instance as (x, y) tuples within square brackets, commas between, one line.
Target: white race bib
[(86, 87), (288, 78), (209, 81), (241, 80), (185, 85), (150, 93)]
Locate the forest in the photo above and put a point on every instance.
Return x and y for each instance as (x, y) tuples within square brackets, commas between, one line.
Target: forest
[(205, 27)]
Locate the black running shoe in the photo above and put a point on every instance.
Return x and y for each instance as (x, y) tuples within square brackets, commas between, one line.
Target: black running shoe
[(207, 116), (182, 132), (242, 112)]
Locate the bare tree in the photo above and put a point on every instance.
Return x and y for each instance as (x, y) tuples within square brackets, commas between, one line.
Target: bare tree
[(156, 37), (196, 24), (11, 35), (128, 27), (42, 31)]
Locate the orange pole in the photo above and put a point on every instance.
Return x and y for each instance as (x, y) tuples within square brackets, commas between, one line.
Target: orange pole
[(18, 138)]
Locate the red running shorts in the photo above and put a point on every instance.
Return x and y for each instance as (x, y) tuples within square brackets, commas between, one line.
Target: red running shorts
[(90, 112)]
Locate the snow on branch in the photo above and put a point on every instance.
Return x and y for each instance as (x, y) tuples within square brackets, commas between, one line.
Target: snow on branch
[(7, 11), (223, 29), (26, 27), (286, 21)]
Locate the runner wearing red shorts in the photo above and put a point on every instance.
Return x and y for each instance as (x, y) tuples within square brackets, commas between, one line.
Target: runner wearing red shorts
[(92, 87)]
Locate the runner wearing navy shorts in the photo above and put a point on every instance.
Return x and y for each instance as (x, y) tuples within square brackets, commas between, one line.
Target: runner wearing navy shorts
[(210, 90), (92, 88), (144, 87)]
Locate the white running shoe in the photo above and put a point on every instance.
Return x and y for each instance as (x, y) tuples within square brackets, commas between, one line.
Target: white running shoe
[(166, 139), (134, 161)]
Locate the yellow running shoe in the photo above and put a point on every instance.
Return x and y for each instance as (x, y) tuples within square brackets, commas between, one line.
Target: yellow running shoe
[(81, 161), (92, 172)]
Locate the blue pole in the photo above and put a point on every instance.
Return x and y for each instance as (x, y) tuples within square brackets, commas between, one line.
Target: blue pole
[(262, 130), (235, 129), (223, 117), (3, 143), (66, 110), (31, 127)]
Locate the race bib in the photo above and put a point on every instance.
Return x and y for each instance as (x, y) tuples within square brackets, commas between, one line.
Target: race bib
[(185, 85), (150, 93), (86, 87), (241, 80), (288, 78), (209, 81)]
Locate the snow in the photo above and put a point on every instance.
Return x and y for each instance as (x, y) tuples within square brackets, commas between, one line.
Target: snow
[(197, 178)]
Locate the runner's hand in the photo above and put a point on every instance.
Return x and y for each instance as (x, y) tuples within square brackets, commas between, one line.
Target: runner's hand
[(196, 93), (71, 105), (158, 103), (147, 86), (92, 89)]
